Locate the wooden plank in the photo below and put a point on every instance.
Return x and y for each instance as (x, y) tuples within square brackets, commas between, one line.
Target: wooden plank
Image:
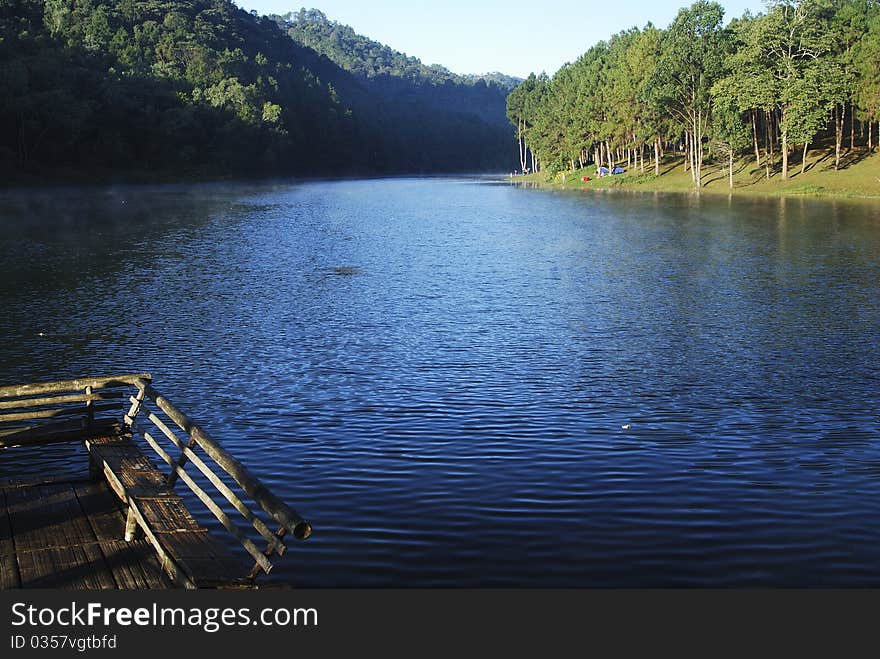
[(121, 453), (9, 574), (55, 432), (134, 565), (56, 400), (167, 514), (207, 563), (80, 567), (129, 471), (141, 482), (122, 437), (47, 516), (6, 546), (79, 410), (71, 385), (55, 546), (102, 509), (171, 568), (136, 483), (12, 482)]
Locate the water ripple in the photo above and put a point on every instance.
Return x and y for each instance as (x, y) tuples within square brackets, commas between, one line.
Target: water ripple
[(478, 385)]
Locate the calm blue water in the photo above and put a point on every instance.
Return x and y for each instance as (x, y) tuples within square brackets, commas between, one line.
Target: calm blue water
[(465, 383)]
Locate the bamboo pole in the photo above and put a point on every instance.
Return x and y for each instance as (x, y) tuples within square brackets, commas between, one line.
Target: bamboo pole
[(71, 385), (55, 400), (90, 407), (51, 414)]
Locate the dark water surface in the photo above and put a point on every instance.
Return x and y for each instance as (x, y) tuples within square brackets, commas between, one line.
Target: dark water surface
[(465, 383)]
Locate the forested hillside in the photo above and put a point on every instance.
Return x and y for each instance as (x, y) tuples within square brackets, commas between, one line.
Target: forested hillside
[(396, 75), (96, 88), (771, 85), (414, 92)]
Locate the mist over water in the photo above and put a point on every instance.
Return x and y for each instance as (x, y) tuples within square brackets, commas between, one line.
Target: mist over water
[(465, 383)]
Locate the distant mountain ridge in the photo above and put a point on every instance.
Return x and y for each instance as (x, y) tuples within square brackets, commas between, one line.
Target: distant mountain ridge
[(397, 77), (369, 58), (501, 79)]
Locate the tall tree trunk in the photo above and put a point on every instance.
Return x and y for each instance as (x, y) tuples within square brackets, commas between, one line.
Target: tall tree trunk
[(687, 152), (755, 137), (730, 162), (696, 145), (657, 156), (804, 159), (838, 135), (852, 126), (699, 153), (870, 144), (784, 148)]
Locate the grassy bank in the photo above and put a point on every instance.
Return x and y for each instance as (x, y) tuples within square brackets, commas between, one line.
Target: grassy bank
[(858, 176)]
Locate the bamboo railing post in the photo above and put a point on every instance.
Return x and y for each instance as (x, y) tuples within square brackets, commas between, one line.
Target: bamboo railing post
[(181, 461), (131, 525), (90, 408), (135, 407), (256, 569)]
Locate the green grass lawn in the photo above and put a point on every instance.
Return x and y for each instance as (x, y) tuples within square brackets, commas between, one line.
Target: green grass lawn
[(858, 176)]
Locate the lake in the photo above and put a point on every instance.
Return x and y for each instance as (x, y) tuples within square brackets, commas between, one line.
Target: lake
[(463, 382)]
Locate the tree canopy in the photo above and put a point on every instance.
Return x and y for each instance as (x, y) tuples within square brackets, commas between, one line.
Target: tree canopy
[(800, 70)]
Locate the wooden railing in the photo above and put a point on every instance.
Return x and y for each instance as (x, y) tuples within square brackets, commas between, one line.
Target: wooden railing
[(187, 441), (59, 411), (84, 408)]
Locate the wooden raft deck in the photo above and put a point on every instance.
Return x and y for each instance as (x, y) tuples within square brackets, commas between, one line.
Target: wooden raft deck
[(70, 535), (127, 527)]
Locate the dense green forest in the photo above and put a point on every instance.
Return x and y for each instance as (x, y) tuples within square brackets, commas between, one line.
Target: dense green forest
[(122, 88), (769, 85), (417, 106)]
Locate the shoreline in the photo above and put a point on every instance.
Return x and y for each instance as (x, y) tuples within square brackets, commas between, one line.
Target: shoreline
[(856, 180), (52, 183)]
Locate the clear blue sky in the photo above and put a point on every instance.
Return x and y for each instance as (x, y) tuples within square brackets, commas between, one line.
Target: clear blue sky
[(477, 36)]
